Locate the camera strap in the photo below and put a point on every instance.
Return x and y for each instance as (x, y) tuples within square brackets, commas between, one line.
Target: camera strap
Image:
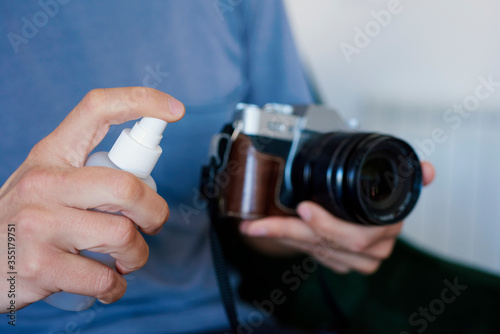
[(220, 264), (221, 270)]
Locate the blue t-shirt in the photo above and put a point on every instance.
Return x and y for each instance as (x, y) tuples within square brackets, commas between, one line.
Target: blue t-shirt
[(208, 54)]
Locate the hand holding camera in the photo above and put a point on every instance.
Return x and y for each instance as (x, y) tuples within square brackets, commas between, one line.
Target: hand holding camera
[(303, 174)]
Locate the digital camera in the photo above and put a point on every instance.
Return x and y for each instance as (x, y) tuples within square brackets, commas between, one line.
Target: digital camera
[(270, 159)]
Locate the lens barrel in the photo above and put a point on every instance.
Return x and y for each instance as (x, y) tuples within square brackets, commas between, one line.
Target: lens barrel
[(367, 178)]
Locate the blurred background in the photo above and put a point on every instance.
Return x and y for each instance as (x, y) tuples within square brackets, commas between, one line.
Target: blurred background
[(427, 72)]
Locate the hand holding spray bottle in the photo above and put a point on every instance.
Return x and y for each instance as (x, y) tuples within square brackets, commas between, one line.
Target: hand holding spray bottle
[(136, 151)]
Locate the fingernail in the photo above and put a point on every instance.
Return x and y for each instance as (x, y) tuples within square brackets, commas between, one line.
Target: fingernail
[(176, 107), (257, 231), (304, 212)]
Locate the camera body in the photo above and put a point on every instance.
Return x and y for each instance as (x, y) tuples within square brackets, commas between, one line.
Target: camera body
[(270, 159)]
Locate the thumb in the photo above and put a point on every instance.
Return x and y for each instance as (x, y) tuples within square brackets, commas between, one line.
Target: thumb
[(324, 224), (87, 124), (312, 212)]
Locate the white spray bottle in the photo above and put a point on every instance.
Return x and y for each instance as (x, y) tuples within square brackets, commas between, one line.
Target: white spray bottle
[(136, 151)]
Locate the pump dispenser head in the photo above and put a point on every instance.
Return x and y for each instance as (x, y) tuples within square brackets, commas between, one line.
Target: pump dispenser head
[(136, 150)]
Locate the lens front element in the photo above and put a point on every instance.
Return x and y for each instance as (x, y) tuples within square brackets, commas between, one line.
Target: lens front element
[(366, 178), (377, 190)]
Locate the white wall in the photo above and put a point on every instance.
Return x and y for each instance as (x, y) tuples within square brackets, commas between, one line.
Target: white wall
[(426, 58)]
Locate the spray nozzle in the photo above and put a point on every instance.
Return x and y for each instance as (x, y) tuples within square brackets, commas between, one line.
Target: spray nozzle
[(148, 131), (136, 150)]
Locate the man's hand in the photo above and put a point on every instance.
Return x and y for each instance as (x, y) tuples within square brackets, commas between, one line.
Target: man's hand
[(341, 246), (48, 197)]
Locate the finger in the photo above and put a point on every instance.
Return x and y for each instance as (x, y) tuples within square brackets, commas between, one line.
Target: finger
[(111, 190), (428, 172), (349, 236), (77, 274), (378, 252), (339, 268), (346, 262), (335, 258), (381, 250), (87, 124), (280, 228), (104, 233)]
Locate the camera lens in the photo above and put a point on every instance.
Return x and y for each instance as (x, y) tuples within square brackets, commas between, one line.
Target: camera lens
[(366, 178)]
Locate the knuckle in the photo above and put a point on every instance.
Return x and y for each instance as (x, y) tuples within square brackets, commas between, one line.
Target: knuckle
[(128, 240), (139, 260), (126, 187), (162, 217), (39, 149), (126, 235), (34, 266), (30, 226), (93, 100), (28, 221), (358, 244), (143, 258), (141, 93), (105, 283), (328, 241), (33, 180)]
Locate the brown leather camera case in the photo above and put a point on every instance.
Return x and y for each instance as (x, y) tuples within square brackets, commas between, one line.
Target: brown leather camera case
[(251, 182)]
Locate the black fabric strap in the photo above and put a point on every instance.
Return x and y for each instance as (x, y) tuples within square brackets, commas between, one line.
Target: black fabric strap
[(220, 265), (223, 280)]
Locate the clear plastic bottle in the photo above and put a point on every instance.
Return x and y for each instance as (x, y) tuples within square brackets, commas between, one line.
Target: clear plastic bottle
[(136, 151)]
